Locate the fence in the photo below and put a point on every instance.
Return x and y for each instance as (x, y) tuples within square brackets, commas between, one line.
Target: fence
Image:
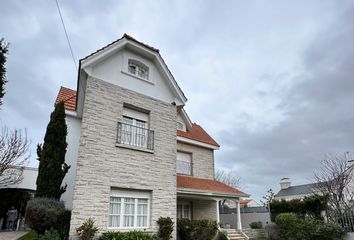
[(345, 220)]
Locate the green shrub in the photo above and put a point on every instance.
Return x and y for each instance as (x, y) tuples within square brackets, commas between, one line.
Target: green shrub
[(165, 228), (256, 225), (329, 231), (222, 235), (196, 229), (87, 230), (42, 213), (62, 225), (52, 235), (291, 227), (134, 235)]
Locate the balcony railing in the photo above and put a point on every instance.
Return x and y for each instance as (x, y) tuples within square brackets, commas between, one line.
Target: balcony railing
[(135, 136)]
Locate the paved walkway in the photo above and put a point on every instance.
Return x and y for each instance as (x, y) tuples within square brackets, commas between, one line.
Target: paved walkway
[(12, 235)]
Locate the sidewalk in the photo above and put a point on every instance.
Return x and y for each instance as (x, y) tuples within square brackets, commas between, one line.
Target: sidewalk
[(13, 235)]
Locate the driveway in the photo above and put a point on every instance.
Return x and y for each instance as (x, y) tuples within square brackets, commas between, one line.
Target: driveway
[(12, 235)]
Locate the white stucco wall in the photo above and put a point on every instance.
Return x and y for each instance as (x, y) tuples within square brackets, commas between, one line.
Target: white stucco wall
[(115, 70), (29, 179), (73, 138)]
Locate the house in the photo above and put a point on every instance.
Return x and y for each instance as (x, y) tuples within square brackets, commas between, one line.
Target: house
[(21, 187), (134, 153), (288, 192)]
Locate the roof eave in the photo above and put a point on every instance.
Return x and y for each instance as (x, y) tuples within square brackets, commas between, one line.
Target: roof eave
[(189, 191)]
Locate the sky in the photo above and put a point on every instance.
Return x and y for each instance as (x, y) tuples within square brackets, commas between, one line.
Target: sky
[(271, 81)]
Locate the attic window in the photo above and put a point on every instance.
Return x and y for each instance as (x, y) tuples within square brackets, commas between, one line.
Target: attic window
[(138, 69), (180, 126)]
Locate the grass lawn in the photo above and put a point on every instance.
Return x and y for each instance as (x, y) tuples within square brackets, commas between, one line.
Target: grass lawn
[(262, 238), (29, 236)]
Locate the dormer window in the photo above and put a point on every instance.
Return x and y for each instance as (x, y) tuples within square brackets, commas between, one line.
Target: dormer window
[(138, 69)]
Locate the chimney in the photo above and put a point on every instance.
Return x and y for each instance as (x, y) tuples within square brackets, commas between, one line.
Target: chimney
[(285, 183)]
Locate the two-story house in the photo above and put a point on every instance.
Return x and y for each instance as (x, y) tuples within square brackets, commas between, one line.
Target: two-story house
[(134, 153)]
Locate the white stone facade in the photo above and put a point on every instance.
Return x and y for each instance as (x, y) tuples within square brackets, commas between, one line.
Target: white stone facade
[(102, 165)]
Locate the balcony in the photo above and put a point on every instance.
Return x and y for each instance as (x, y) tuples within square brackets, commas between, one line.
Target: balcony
[(134, 136)]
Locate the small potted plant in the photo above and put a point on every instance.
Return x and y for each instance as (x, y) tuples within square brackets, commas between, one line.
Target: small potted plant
[(87, 230)]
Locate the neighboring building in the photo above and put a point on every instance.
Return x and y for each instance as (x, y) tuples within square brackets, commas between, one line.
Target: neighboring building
[(288, 192), (134, 153), (17, 194)]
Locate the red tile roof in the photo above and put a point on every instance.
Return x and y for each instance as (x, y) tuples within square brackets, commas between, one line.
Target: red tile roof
[(208, 185), (68, 96), (197, 133), (245, 201)]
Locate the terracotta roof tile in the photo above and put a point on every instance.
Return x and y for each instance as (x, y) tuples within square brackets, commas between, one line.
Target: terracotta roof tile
[(208, 185), (197, 133), (245, 201), (68, 96)]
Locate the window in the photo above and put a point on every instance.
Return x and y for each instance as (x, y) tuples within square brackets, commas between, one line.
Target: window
[(184, 163), (128, 209), (180, 126), (184, 210), (134, 129), (138, 69)]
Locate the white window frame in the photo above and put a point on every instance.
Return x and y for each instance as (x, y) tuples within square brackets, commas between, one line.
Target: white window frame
[(137, 118), (184, 161), (124, 194), (139, 66)]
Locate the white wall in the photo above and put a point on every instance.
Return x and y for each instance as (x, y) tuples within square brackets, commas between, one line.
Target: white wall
[(29, 179), (73, 138), (115, 70)]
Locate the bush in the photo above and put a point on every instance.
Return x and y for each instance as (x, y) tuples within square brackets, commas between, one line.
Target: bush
[(329, 231), (42, 214), (165, 228), (196, 229), (222, 235), (52, 235), (63, 224), (87, 230), (134, 235), (256, 225), (291, 227)]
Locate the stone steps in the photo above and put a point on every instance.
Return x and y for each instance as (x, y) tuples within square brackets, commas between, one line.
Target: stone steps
[(233, 234)]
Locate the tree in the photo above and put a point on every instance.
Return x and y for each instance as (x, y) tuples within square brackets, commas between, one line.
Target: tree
[(268, 198), (335, 180), (13, 145), (13, 156), (229, 178), (51, 156), (3, 52)]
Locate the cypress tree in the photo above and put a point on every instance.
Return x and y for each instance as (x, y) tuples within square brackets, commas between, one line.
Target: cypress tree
[(51, 156)]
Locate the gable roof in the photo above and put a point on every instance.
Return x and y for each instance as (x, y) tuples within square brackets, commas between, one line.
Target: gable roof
[(155, 50), (196, 132), (297, 190), (68, 96), (208, 185)]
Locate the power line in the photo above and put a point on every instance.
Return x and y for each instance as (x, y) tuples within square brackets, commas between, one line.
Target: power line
[(66, 34)]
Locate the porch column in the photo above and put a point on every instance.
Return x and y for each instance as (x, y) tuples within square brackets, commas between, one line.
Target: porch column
[(217, 212), (239, 224)]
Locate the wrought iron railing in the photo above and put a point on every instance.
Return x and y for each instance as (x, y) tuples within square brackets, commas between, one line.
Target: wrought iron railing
[(135, 136)]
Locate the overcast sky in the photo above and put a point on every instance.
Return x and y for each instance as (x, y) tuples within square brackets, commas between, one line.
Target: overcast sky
[(271, 81)]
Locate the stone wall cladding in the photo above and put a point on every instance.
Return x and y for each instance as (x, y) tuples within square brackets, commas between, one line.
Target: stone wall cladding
[(102, 165), (202, 160), (204, 209)]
